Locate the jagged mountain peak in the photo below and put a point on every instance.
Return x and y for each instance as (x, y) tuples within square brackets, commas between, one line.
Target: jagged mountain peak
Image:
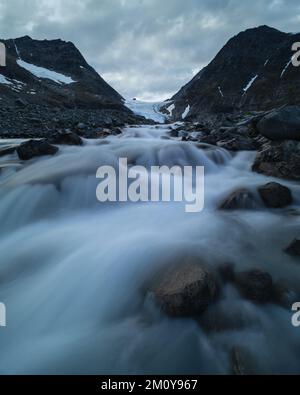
[(251, 72), (53, 72)]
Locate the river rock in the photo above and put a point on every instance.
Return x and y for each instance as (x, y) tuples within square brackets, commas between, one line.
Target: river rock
[(294, 248), (281, 160), (186, 290), (237, 144), (33, 148), (275, 195), (255, 285), (240, 199), (65, 138), (281, 124)]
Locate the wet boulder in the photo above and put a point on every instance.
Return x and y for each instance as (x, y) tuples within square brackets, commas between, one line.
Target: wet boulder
[(281, 160), (281, 124), (275, 195), (240, 199), (65, 138), (34, 148), (255, 285), (186, 290)]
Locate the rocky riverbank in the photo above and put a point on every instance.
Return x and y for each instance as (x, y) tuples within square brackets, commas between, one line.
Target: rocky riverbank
[(204, 288)]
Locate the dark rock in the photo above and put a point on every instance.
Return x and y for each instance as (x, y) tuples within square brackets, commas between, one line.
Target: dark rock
[(280, 160), (240, 199), (237, 144), (275, 195), (81, 126), (20, 102), (281, 124), (33, 148), (65, 138), (186, 290), (255, 285), (282, 295), (294, 248)]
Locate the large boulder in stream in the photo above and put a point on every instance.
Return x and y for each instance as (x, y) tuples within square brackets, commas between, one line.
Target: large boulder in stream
[(33, 148), (275, 195), (240, 199), (186, 290), (281, 124), (65, 138)]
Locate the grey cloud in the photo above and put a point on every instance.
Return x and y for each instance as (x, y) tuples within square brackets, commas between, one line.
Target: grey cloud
[(145, 48)]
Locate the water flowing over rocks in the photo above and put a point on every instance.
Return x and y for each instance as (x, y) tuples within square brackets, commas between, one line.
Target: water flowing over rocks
[(238, 200), (34, 148)]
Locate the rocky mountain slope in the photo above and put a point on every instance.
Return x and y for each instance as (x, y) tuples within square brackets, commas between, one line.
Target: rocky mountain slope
[(252, 72), (48, 84)]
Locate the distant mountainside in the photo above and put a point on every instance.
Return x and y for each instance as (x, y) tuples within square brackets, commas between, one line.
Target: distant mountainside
[(253, 71), (47, 85), (53, 72)]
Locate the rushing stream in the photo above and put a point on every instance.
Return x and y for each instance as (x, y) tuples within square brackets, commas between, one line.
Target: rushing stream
[(74, 272)]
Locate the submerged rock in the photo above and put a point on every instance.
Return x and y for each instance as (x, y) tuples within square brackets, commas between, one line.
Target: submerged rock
[(33, 148), (240, 199), (275, 195), (294, 248), (255, 285), (186, 290)]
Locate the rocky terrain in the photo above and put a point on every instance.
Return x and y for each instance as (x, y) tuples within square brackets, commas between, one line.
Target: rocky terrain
[(252, 72), (48, 85)]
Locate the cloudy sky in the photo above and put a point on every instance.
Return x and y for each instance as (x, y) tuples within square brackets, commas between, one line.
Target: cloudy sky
[(145, 48)]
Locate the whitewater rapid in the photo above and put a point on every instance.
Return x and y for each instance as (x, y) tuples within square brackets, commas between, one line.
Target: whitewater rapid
[(74, 272)]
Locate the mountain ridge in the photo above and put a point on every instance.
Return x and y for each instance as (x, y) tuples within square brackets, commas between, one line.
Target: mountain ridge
[(250, 73)]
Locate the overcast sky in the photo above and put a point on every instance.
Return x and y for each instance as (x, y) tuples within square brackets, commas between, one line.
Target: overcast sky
[(145, 48)]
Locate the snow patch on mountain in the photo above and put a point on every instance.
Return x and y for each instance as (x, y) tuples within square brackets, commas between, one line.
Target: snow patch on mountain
[(250, 83), (171, 108), (220, 91), (41, 72), (186, 112), (286, 67)]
